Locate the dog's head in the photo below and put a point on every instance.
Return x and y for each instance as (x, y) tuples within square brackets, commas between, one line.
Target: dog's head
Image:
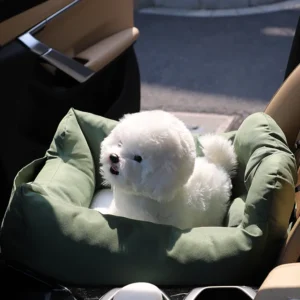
[(149, 153)]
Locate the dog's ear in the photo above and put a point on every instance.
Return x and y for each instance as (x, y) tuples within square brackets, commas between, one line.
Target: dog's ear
[(167, 185)]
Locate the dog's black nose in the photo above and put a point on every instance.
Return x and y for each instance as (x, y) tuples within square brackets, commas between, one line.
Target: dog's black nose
[(114, 158)]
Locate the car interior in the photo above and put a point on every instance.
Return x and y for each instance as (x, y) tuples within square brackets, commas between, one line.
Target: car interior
[(75, 60)]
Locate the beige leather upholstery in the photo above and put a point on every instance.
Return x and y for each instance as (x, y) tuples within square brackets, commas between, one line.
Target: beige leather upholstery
[(297, 196), (297, 200), (86, 24), (103, 52), (285, 107), (291, 250), (13, 27), (282, 283)]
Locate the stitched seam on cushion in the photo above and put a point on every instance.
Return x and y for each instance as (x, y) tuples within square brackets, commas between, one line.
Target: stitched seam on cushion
[(275, 142), (276, 146), (61, 160), (46, 184), (275, 180), (58, 167), (66, 131), (78, 122), (269, 129), (93, 159)]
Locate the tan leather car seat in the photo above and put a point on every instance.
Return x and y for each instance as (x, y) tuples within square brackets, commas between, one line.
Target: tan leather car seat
[(285, 109)]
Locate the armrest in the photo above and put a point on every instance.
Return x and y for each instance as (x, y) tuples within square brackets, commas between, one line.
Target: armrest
[(282, 283), (105, 51)]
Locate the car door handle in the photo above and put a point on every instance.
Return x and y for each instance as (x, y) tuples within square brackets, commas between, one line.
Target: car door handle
[(57, 59)]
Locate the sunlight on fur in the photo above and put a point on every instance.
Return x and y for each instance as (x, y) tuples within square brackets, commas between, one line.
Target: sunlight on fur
[(151, 171)]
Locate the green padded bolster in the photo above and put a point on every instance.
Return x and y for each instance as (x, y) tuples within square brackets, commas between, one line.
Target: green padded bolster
[(49, 228)]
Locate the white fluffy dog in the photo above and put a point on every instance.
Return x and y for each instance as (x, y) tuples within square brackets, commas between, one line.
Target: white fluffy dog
[(149, 161)]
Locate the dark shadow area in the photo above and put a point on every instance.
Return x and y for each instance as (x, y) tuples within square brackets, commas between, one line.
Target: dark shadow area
[(11, 8), (225, 293), (126, 232), (37, 101)]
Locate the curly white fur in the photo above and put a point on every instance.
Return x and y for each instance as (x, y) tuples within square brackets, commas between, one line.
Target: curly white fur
[(157, 176)]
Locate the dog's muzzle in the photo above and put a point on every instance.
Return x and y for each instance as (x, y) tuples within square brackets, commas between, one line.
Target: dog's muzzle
[(114, 170)]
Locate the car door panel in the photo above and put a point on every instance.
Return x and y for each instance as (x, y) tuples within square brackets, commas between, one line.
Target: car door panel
[(86, 23), (96, 35), (16, 25)]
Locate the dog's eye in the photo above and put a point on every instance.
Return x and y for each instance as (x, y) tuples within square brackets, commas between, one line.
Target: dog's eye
[(119, 144), (138, 158)]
